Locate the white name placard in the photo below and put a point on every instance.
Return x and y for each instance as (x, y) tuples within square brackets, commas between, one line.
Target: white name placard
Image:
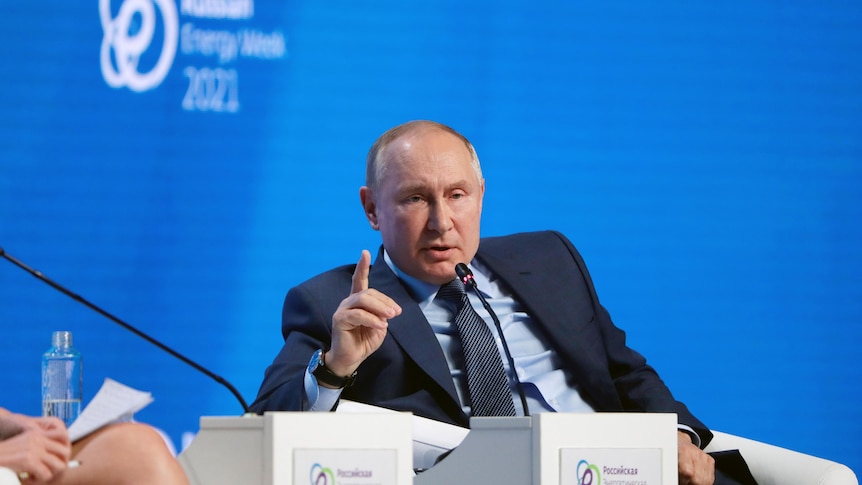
[(614, 443)]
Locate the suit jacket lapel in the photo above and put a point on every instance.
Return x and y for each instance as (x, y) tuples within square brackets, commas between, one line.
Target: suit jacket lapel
[(554, 314), (411, 329), (532, 289)]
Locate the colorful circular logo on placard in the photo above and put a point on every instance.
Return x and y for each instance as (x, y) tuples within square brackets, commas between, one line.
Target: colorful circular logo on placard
[(588, 474), (321, 475)]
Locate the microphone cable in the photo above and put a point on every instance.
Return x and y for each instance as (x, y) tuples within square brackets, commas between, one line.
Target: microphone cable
[(41, 277)]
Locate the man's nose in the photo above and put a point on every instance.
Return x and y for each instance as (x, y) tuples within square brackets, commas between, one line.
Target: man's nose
[(440, 218)]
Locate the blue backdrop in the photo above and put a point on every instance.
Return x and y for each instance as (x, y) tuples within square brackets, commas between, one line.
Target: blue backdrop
[(183, 163)]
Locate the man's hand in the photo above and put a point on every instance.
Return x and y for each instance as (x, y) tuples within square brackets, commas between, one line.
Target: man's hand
[(360, 322), (41, 447), (695, 466)]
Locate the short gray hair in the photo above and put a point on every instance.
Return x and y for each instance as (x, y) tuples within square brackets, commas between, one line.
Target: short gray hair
[(374, 164)]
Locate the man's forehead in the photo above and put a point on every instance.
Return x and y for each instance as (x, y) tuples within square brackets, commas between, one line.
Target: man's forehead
[(422, 137)]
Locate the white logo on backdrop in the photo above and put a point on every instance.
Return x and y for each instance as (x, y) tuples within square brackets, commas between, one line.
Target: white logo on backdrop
[(122, 50), (130, 45)]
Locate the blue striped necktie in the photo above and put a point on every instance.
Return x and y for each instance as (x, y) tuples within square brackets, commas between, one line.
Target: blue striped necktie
[(490, 394)]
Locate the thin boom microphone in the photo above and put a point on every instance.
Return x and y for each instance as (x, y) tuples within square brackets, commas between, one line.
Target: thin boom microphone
[(38, 275), (467, 278)]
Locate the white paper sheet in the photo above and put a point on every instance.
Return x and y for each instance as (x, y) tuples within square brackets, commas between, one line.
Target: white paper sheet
[(430, 438), (114, 402)]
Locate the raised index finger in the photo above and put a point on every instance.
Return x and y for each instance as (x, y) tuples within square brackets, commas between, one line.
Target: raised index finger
[(360, 274)]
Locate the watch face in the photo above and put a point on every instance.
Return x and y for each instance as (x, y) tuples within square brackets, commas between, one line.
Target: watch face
[(314, 363)]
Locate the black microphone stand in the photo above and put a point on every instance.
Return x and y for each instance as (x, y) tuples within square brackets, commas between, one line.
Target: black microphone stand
[(467, 279), (38, 275)]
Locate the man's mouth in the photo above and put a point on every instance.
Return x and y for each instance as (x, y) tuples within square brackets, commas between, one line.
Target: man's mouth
[(440, 251)]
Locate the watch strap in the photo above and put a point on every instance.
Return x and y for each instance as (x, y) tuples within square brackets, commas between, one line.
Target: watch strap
[(325, 375)]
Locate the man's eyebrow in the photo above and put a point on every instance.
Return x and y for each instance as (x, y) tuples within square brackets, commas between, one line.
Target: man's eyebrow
[(422, 188), (410, 189), (460, 184)]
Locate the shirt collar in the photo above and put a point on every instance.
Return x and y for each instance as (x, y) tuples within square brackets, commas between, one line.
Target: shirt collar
[(423, 292)]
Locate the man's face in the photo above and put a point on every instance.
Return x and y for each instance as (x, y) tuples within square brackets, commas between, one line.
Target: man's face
[(427, 205)]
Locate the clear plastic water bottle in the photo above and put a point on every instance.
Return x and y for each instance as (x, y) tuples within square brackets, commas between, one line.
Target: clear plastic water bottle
[(62, 379)]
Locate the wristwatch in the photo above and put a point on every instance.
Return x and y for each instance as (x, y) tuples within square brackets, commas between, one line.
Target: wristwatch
[(317, 368)]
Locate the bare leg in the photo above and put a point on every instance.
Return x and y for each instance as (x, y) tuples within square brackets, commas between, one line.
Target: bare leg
[(123, 454)]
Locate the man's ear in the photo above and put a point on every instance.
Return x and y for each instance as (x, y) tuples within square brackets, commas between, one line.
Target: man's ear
[(368, 205)]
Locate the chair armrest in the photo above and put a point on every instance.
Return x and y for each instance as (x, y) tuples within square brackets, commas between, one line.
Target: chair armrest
[(773, 465), (8, 477)]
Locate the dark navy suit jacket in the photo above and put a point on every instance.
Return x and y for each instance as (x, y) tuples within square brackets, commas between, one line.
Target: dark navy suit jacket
[(409, 372)]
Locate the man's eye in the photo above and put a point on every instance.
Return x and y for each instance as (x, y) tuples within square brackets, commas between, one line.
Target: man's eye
[(414, 199), (457, 195)]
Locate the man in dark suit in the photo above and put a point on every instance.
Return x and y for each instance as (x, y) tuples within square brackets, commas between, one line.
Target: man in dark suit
[(379, 334)]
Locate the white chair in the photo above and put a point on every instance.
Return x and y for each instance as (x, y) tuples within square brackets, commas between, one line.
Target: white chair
[(773, 465)]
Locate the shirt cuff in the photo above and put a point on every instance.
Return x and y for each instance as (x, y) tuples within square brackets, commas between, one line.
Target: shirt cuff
[(317, 397), (695, 438)]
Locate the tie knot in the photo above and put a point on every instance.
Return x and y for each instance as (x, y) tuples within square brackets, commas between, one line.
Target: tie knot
[(452, 292)]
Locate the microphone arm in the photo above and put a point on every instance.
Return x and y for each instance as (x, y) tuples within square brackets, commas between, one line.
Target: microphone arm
[(466, 277), (38, 275)]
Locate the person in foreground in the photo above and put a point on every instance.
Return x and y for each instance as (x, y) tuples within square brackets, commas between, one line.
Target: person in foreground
[(39, 451), (386, 334)]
